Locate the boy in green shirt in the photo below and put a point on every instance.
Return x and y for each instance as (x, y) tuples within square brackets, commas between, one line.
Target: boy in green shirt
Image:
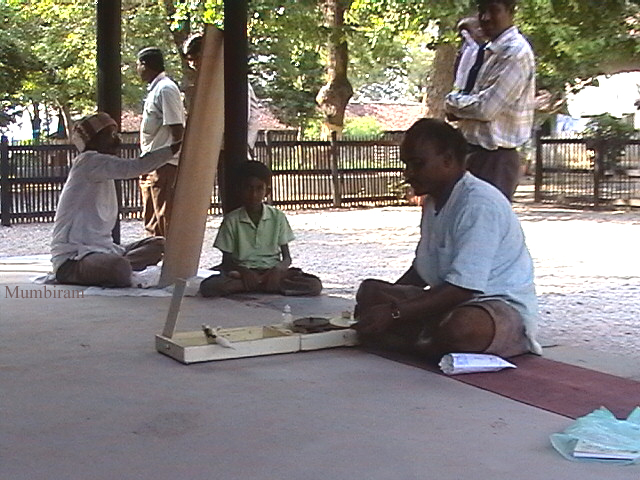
[(254, 240)]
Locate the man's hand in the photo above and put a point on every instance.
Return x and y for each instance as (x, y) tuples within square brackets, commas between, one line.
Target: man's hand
[(272, 278), (250, 279), (376, 319)]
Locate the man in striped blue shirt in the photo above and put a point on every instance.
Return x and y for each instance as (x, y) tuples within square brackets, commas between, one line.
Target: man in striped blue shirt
[(496, 115)]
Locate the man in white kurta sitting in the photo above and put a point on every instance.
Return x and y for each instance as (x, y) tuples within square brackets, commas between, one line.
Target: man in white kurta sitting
[(470, 287), (82, 248)]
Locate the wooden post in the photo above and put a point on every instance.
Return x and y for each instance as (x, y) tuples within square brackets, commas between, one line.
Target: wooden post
[(335, 174), (198, 164), (5, 185), (267, 143), (598, 173), (235, 91), (269, 162), (109, 88), (108, 24), (537, 196)]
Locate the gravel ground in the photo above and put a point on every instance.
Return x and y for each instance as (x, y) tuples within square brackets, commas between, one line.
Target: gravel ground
[(587, 262)]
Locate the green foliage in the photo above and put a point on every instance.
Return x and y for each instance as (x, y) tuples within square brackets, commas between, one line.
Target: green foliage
[(401, 16), (47, 47), (290, 64), (15, 60), (313, 130), (48, 52), (390, 69), (362, 127), (196, 14), (392, 43), (61, 40), (608, 136), (575, 40), (145, 23), (607, 126), (354, 128), (286, 68)]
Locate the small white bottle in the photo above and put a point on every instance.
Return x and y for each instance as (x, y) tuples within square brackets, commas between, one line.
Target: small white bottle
[(287, 318)]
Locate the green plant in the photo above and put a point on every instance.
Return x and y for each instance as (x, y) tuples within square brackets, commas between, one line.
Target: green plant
[(608, 136), (312, 130), (354, 128), (362, 127)]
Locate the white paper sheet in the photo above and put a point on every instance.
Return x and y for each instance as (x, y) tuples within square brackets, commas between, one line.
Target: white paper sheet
[(458, 363)]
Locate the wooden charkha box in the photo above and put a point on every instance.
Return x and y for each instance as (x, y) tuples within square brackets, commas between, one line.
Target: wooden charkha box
[(195, 346), (238, 342)]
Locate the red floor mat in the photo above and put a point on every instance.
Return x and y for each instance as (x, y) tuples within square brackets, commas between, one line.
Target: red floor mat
[(554, 386)]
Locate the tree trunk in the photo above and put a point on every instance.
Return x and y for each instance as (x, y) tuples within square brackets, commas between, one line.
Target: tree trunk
[(36, 121), (440, 81), (65, 112), (179, 36), (333, 97)]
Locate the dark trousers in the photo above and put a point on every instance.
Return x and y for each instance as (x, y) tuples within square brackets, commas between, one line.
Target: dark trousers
[(501, 167)]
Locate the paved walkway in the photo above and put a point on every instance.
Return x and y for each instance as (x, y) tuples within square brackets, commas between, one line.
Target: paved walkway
[(86, 396)]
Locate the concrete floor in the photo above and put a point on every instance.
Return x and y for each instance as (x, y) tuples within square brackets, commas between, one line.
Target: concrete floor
[(84, 395)]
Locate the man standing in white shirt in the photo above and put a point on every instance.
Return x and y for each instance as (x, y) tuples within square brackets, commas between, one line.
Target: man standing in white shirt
[(496, 115), (163, 121)]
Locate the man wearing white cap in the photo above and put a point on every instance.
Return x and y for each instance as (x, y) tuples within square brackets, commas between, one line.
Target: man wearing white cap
[(82, 249)]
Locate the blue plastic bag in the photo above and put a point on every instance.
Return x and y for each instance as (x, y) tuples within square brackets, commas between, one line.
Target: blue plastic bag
[(607, 435)]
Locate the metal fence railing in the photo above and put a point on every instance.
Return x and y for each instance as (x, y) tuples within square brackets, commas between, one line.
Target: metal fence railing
[(569, 173), (306, 174)]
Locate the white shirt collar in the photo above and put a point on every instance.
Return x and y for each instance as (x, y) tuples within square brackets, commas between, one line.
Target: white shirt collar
[(155, 81), (502, 40)]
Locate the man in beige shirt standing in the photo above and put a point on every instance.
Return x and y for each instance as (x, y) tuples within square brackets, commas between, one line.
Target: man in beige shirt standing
[(163, 121), (495, 112)]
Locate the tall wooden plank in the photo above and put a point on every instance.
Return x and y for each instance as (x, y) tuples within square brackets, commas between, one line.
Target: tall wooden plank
[(198, 164), (174, 308)]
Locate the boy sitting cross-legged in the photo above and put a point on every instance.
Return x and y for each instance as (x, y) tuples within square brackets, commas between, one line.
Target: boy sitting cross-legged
[(254, 240)]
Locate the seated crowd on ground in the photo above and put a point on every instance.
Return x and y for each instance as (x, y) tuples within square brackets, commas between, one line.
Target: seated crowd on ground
[(470, 286)]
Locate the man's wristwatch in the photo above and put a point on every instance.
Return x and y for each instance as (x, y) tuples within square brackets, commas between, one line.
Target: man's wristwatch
[(395, 312)]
